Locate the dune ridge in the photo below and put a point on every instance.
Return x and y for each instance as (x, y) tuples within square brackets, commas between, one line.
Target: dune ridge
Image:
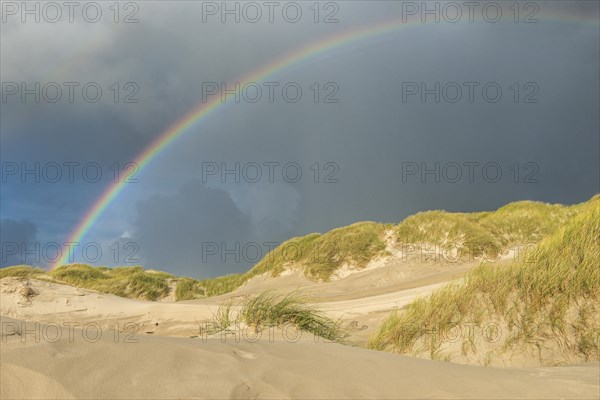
[(453, 236)]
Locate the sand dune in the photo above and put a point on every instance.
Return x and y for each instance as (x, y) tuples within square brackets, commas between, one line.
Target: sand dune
[(63, 303), (166, 367), (380, 277), (98, 356)]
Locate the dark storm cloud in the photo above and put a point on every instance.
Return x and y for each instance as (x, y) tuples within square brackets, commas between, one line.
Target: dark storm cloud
[(370, 137), (197, 223), (17, 237)]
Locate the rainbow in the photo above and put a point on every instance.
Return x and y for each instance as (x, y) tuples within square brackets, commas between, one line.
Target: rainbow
[(204, 109)]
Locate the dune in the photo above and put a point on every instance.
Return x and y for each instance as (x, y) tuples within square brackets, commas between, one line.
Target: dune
[(169, 367), (97, 356), (362, 300), (68, 333), (59, 303)]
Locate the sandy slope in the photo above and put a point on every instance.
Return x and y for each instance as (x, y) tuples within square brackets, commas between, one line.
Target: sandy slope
[(167, 362), (63, 303), (56, 303), (391, 275), (166, 367)]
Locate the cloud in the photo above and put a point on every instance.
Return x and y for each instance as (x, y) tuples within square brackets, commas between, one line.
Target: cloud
[(180, 232), (369, 135), (18, 237)]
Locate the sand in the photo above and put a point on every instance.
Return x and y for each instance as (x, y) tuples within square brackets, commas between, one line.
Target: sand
[(101, 358), (167, 367)]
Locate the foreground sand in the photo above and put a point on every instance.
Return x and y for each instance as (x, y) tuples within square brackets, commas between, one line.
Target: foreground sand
[(167, 367), (48, 358)]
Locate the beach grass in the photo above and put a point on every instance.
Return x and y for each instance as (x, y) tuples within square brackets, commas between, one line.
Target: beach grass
[(549, 297), (270, 309)]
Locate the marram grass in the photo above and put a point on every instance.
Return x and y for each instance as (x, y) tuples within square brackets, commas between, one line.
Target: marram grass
[(20, 271), (551, 297), (270, 309), (131, 282)]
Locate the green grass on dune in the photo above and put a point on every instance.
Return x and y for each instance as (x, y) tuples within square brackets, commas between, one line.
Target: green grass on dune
[(550, 297), (458, 231), (222, 284), (321, 255), (289, 252), (318, 256), (20, 271), (270, 309), (525, 221), (472, 234), (484, 233), (188, 289), (131, 282)]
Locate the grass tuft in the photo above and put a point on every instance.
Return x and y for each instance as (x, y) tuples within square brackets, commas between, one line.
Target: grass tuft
[(270, 309)]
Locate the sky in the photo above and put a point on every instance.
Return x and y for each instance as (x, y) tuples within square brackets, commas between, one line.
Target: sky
[(442, 113)]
